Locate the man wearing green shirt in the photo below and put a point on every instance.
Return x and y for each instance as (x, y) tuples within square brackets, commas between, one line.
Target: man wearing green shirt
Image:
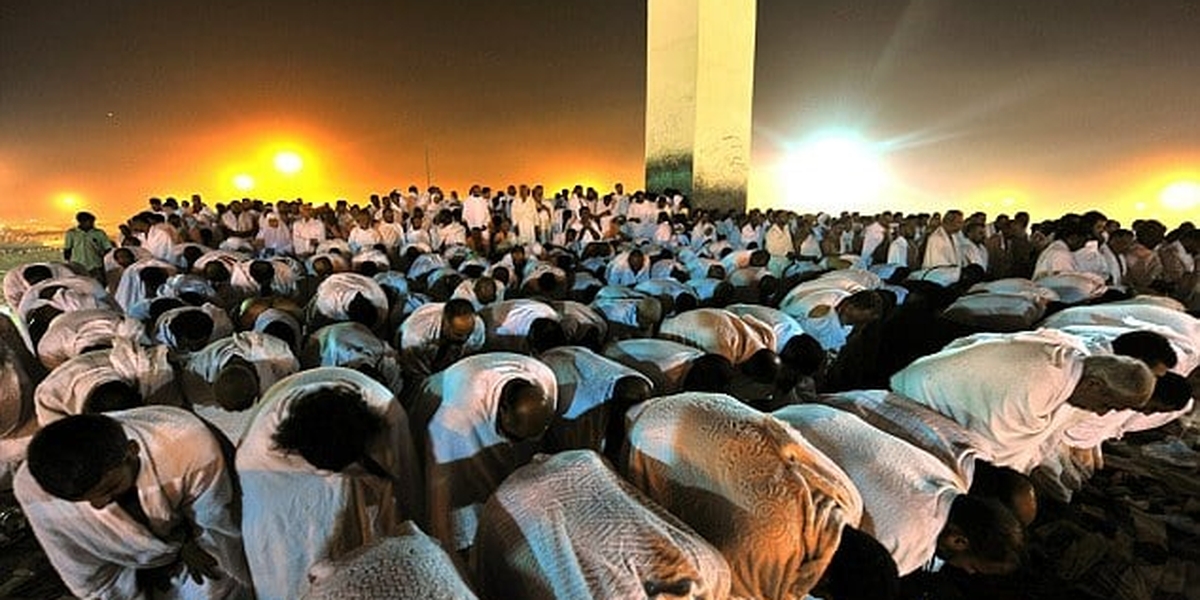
[(85, 245)]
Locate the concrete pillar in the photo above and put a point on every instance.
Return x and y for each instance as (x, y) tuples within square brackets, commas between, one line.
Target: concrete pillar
[(699, 97)]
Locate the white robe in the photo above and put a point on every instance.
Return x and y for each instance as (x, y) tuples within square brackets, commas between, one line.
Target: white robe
[(784, 326), (577, 318), (222, 324), (131, 290), (466, 457), (906, 492), (1011, 389), (183, 476), (1056, 258), (585, 386), (271, 358), (567, 526), (772, 503), (664, 362), (72, 332), (294, 514), (15, 284), (718, 331), (508, 323), (940, 250), (1180, 328), (409, 566), (421, 332), (353, 345), (66, 389), (335, 293)]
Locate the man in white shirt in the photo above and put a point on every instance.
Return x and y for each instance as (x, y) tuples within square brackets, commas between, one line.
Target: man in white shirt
[(940, 247), (307, 232)]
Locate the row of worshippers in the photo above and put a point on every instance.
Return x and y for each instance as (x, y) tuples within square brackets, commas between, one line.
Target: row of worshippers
[(434, 343)]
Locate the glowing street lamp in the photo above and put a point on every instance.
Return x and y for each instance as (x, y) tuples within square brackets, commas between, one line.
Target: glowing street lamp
[(243, 182)]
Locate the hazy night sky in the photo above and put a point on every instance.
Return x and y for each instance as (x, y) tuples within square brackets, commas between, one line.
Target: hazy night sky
[(1038, 104)]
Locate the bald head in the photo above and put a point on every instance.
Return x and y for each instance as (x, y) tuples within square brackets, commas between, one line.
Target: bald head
[(524, 412)]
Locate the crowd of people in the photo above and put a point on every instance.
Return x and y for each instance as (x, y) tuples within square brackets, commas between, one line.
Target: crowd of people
[(593, 395)]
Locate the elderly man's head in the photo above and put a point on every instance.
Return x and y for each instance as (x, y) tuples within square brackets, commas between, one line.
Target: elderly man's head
[(1112, 382)]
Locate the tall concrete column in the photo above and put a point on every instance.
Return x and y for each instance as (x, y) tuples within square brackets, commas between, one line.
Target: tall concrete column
[(699, 96)]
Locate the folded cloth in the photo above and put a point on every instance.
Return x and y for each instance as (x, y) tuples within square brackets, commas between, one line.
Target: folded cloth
[(772, 503), (408, 566), (567, 526), (906, 491)]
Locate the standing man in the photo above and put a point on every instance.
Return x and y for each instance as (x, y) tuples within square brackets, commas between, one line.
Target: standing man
[(86, 246)]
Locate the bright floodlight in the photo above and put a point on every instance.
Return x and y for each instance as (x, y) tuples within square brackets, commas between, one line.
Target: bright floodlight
[(1182, 195), (288, 162), (835, 170), (243, 182)]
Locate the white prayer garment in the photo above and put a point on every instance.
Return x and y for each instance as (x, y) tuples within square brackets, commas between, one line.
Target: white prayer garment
[(1017, 285), (307, 234), (222, 325), (718, 331), (334, 295), (65, 391), (131, 289), (183, 481), (567, 526), (620, 273), (1009, 388), (294, 514), (666, 363), (940, 250), (996, 311), (1074, 287), (771, 502), (15, 284), (353, 346), (283, 283), (466, 456), (71, 333), (585, 387), (409, 566), (906, 492), (1056, 258), (934, 433), (421, 334), (508, 323), (578, 319), (784, 326), (277, 238), (1180, 328), (271, 358)]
